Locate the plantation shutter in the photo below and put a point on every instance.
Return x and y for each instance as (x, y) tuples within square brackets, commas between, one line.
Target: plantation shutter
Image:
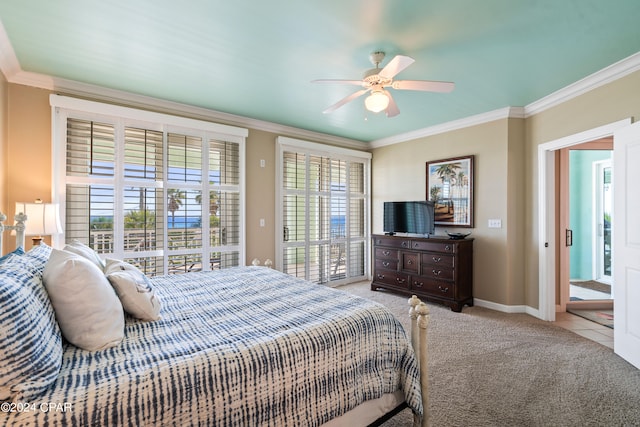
[(167, 201), (324, 214)]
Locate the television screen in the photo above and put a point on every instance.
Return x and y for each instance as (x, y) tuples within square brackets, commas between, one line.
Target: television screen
[(409, 217)]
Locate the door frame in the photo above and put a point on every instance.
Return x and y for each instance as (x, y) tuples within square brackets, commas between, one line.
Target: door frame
[(547, 255)]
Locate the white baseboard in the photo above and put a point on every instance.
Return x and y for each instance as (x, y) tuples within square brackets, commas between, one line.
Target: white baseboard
[(500, 307)]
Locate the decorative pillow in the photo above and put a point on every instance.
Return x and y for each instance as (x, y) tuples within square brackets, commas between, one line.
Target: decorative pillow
[(31, 344), (134, 289), (39, 255), (79, 248), (87, 308)]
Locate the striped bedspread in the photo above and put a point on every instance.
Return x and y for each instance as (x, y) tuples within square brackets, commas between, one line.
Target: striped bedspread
[(247, 346)]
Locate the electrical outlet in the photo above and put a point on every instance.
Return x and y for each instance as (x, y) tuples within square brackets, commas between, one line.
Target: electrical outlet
[(263, 163), (495, 223), (261, 222)]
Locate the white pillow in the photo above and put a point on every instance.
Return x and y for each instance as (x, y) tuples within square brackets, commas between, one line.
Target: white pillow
[(87, 308), (134, 289), (79, 248)]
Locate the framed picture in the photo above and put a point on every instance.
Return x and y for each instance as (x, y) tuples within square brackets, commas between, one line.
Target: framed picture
[(450, 187)]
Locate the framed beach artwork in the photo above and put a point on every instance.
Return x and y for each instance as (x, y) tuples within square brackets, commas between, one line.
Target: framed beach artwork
[(450, 187)]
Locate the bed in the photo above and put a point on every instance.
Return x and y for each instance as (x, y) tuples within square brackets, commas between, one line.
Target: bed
[(245, 346)]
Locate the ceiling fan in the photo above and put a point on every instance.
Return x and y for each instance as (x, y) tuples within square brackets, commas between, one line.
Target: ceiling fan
[(376, 80)]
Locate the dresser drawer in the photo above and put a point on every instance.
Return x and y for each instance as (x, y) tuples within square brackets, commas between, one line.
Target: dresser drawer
[(392, 278), (439, 288), (386, 264), (435, 272), (426, 245), (435, 259), (392, 242), (384, 253), (410, 261)]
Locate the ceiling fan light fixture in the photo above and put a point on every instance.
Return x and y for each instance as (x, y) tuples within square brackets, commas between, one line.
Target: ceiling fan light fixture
[(376, 102)]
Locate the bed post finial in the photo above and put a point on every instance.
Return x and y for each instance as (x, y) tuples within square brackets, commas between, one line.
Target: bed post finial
[(19, 229)]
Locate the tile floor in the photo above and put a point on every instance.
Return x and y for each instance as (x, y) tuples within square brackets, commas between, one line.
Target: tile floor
[(586, 328), (582, 326)]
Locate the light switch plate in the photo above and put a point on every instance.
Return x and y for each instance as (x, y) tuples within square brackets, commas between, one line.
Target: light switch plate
[(495, 223)]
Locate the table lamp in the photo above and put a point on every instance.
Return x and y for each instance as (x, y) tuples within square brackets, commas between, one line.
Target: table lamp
[(43, 219)]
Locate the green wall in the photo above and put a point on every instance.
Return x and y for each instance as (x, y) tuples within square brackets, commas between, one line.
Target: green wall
[(581, 209)]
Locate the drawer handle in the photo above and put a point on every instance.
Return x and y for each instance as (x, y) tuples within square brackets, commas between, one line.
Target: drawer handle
[(385, 263), (443, 289), (418, 284), (409, 262), (416, 244), (436, 272), (380, 276), (399, 280), (438, 259), (404, 244), (447, 248), (386, 253)]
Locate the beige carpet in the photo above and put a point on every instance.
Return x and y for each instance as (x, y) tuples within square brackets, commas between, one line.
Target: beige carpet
[(488, 368)]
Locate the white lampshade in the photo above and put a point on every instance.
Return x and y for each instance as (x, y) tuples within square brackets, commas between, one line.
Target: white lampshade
[(43, 219), (377, 101)]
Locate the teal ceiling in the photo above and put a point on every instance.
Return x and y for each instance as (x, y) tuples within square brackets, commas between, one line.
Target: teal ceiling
[(257, 58)]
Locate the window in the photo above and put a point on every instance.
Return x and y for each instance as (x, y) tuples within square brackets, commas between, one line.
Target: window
[(324, 212), (161, 192)]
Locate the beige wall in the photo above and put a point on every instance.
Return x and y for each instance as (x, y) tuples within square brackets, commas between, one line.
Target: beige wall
[(399, 173), (261, 195), (28, 149)]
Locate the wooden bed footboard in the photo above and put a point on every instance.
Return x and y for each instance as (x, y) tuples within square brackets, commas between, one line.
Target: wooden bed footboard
[(419, 313), (19, 229)]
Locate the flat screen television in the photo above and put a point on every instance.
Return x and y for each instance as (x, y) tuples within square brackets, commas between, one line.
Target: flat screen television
[(409, 217)]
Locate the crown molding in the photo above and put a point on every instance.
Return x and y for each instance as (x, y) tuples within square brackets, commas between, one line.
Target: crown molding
[(9, 64), (602, 77), (478, 119)]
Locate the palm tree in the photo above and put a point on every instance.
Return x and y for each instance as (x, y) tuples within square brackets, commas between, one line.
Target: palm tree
[(175, 197), (213, 201), (447, 173), (434, 193)]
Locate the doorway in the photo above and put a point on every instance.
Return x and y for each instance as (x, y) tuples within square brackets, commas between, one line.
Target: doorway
[(588, 234), (549, 296)]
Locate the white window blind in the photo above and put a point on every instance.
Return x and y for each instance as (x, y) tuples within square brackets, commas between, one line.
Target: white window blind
[(165, 198), (324, 212)]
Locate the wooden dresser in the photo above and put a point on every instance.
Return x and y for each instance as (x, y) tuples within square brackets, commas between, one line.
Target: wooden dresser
[(437, 269)]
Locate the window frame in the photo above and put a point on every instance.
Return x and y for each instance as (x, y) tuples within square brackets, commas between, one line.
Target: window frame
[(64, 107)]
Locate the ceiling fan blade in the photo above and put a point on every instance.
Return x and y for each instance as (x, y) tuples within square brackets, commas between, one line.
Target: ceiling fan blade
[(336, 81), (392, 109), (343, 101), (424, 85), (397, 64)]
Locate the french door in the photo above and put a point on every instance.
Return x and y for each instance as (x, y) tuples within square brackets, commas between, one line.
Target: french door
[(323, 215)]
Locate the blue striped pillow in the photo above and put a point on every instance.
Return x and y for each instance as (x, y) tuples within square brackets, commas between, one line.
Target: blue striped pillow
[(30, 339), (39, 255)]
